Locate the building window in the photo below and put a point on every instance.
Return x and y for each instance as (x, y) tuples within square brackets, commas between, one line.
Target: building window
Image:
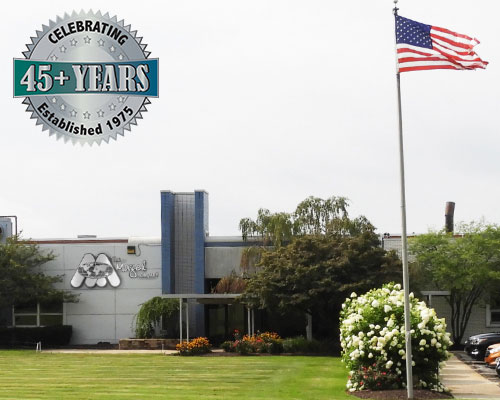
[(493, 310), (33, 314)]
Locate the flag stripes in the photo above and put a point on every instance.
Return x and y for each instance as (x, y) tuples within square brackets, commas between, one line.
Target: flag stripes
[(424, 47)]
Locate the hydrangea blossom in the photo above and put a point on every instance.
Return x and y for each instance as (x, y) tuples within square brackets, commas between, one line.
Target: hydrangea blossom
[(372, 336)]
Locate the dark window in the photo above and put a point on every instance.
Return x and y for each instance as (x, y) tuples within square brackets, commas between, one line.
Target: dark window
[(495, 308), (38, 314)]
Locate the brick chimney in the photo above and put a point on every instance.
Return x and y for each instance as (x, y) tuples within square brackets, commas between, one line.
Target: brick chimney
[(448, 215)]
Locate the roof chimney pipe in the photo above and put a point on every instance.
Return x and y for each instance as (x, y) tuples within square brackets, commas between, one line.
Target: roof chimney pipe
[(448, 215)]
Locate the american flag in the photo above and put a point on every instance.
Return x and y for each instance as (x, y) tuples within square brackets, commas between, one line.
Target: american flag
[(423, 47)]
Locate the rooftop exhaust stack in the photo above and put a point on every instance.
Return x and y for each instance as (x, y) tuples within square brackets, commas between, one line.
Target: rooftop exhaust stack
[(448, 215)]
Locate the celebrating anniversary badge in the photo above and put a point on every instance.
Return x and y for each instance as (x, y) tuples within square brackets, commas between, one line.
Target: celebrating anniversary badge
[(86, 77)]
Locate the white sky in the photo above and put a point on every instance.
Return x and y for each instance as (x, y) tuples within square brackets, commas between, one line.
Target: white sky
[(263, 103)]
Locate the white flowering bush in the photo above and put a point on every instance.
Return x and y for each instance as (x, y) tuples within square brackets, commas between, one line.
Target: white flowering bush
[(372, 335)]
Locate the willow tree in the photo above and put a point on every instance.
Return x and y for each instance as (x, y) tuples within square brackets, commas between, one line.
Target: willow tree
[(311, 259), (151, 313), (313, 216)]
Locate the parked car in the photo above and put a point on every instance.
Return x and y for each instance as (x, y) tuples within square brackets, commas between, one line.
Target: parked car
[(476, 345), (491, 355)]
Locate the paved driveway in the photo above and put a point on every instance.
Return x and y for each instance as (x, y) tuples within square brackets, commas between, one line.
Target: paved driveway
[(469, 379)]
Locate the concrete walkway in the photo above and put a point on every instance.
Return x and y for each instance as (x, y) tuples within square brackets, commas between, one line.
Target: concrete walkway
[(465, 382), (116, 351), (98, 351)]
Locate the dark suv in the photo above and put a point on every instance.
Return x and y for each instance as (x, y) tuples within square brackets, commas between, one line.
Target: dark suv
[(476, 345)]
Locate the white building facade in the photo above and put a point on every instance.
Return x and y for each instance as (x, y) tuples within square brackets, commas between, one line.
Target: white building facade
[(114, 276)]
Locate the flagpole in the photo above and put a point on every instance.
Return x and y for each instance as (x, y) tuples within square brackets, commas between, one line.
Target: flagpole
[(404, 239)]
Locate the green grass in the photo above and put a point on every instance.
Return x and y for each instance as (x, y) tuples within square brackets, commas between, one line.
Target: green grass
[(28, 375)]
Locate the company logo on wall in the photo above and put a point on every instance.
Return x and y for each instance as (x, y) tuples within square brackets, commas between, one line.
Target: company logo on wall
[(95, 271), (100, 271), (139, 271), (86, 77)]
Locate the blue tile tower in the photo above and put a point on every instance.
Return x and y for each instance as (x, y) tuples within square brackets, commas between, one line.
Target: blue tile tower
[(184, 226)]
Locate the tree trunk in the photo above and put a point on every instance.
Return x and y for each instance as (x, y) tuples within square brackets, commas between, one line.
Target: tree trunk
[(461, 309)]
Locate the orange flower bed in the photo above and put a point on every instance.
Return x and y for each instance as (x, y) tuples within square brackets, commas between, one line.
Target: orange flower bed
[(199, 345), (267, 342)]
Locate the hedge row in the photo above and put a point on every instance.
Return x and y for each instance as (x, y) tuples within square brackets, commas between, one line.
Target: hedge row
[(48, 335)]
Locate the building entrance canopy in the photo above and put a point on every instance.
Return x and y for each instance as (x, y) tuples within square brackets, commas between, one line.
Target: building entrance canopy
[(208, 298)]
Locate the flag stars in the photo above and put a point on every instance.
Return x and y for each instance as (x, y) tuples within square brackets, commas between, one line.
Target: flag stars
[(53, 57), (62, 107), (87, 39), (121, 99), (73, 113), (86, 115), (62, 49), (112, 49), (100, 42), (73, 42), (112, 107), (100, 113), (53, 100), (412, 33), (121, 57)]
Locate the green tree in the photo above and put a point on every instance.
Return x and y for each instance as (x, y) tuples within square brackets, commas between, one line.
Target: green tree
[(326, 257), (151, 313), (312, 216), (468, 267), (21, 278)]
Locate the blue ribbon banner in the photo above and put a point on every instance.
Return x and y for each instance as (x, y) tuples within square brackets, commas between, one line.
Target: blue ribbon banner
[(130, 78)]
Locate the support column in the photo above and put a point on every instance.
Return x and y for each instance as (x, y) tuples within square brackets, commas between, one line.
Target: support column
[(253, 321), (187, 321), (309, 330), (249, 322), (180, 320)]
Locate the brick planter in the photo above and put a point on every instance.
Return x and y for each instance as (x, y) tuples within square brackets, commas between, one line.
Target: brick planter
[(147, 344)]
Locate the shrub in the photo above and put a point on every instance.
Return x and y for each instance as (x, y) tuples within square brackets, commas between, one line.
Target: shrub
[(244, 346), (275, 347), (227, 346), (59, 335), (271, 342), (200, 345), (267, 342), (300, 344), (372, 336)]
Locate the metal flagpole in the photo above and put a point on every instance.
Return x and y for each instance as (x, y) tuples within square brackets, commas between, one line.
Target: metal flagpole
[(404, 239)]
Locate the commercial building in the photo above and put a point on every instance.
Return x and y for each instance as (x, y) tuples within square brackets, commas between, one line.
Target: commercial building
[(114, 276)]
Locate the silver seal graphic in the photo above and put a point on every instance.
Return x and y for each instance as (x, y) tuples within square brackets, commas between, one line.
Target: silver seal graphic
[(86, 77)]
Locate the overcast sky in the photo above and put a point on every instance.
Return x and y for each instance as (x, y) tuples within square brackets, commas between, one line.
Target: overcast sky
[(263, 103)]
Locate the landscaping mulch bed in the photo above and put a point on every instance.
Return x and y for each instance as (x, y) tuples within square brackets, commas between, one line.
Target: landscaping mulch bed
[(399, 395)]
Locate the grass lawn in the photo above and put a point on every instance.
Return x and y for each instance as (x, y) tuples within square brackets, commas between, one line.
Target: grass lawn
[(28, 375)]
